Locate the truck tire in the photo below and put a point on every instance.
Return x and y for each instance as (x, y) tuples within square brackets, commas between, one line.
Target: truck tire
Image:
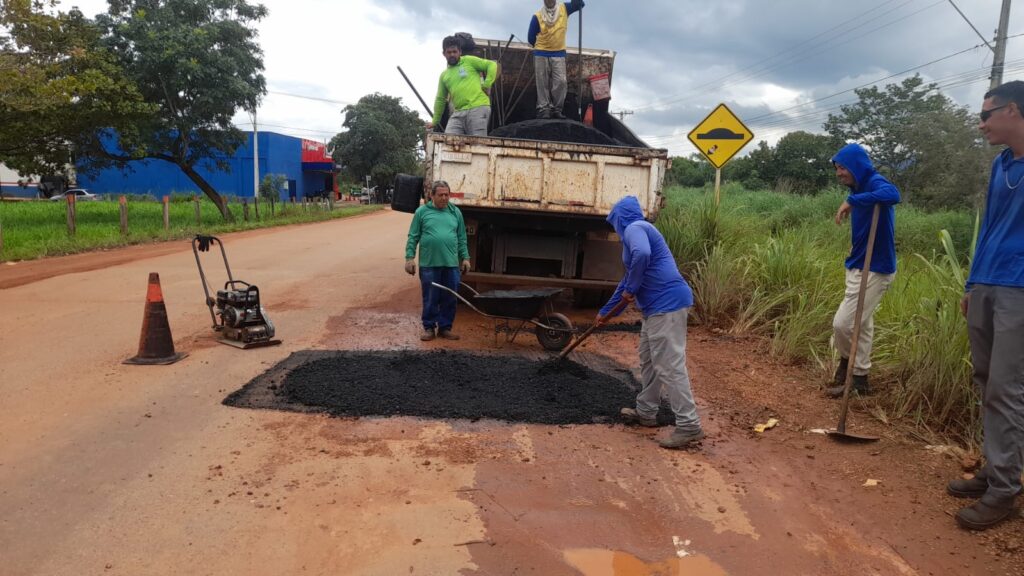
[(408, 193)]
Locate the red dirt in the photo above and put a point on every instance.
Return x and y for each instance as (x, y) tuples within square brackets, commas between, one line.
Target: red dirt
[(139, 470)]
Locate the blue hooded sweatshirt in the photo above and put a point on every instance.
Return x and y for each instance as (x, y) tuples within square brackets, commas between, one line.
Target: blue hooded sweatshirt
[(651, 272), (869, 189), (999, 256)]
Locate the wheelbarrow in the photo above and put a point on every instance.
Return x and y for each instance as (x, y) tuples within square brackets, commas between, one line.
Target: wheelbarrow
[(512, 310)]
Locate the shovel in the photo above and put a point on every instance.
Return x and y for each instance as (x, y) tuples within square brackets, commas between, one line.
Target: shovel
[(840, 433), (618, 308)]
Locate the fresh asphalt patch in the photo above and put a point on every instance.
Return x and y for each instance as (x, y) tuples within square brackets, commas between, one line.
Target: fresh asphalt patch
[(445, 385)]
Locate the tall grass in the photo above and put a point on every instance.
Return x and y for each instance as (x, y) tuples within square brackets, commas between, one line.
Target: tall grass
[(772, 263), (34, 229)]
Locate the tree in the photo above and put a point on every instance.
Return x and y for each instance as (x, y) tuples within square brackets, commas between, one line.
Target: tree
[(57, 86), (693, 171), (198, 62), (951, 166), (918, 138), (381, 139), (803, 161)]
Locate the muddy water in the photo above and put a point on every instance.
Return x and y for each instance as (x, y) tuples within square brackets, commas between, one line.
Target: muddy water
[(596, 562)]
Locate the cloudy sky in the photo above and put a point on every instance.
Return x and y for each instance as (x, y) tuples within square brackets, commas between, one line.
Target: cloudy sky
[(781, 65)]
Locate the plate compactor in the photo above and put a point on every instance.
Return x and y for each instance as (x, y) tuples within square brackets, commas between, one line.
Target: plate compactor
[(239, 316)]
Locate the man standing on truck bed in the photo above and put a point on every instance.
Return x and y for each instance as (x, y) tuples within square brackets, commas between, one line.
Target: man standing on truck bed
[(469, 94), (547, 36), (654, 284), (440, 232)]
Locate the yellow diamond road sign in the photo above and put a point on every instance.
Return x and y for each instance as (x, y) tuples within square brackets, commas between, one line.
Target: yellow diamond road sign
[(720, 136)]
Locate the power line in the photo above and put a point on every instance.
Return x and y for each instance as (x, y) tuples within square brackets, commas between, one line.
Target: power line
[(295, 128), (665, 99), (811, 51), (872, 83), (304, 97), (971, 24)]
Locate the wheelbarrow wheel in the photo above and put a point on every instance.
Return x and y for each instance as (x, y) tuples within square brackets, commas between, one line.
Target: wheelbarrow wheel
[(557, 338)]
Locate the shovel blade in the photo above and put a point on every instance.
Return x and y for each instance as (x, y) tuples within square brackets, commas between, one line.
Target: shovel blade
[(850, 438)]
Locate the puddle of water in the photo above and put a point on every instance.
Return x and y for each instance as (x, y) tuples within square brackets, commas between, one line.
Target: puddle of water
[(596, 562)]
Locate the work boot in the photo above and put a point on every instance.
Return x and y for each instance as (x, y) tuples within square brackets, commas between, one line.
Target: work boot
[(681, 439), (840, 376), (631, 416), (982, 515), (557, 114), (427, 335), (973, 488), (446, 333), (543, 115), (860, 386)]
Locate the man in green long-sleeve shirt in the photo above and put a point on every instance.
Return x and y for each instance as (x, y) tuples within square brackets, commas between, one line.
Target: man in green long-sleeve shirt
[(439, 230), (469, 94)]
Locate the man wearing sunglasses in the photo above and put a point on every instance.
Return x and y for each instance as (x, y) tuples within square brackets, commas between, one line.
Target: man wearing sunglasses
[(994, 306)]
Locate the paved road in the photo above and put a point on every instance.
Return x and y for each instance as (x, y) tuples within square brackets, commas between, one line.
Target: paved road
[(113, 469)]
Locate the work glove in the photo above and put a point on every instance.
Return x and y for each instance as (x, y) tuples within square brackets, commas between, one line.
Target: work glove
[(465, 266), (410, 266)]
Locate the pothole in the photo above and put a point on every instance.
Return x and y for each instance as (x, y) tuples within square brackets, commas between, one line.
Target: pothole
[(444, 385)]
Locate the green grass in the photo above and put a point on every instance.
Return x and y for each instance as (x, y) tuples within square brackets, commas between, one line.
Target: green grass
[(36, 229), (772, 263)]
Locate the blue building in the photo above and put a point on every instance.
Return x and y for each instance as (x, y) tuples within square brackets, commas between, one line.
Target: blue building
[(305, 165)]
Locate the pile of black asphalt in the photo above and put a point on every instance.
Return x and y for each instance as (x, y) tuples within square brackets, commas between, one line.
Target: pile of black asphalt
[(555, 131), (443, 385)]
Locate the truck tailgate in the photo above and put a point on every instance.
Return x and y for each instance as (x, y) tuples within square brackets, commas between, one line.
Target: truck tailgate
[(551, 177)]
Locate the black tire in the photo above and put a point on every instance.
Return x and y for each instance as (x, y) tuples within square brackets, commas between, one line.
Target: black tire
[(555, 340), (408, 193)]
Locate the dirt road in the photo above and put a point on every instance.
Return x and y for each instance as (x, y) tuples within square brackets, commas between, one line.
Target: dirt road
[(113, 469)]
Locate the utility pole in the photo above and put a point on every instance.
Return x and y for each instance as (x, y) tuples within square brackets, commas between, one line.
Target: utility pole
[(622, 114), (999, 59), (255, 162)]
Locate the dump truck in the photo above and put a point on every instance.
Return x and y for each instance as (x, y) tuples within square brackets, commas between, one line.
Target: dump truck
[(535, 208)]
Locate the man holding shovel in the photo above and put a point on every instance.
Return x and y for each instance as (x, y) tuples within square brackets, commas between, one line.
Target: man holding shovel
[(868, 189), (994, 306), (653, 283)]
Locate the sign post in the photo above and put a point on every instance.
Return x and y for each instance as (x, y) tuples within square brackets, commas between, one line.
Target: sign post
[(719, 137)]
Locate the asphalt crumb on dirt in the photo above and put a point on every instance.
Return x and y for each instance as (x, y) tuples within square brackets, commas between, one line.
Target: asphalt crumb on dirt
[(442, 384)]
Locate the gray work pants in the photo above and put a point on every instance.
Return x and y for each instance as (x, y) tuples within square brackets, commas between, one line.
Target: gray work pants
[(551, 83), (663, 369), (995, 325), (472, 122), (842, 323)]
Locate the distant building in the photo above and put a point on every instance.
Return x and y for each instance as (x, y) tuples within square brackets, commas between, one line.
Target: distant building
[(14, 184), (305, 165)]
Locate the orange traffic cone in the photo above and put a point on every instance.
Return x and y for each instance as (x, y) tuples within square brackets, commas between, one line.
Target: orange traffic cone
[(155, 345)]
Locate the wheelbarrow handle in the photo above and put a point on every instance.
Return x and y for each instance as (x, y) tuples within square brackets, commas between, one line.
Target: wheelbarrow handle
[(611, 313), (459, 296)]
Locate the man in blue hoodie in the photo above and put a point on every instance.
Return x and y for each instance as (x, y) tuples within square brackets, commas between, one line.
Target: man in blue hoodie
[(867, 188), (653, 283), (994, 306)]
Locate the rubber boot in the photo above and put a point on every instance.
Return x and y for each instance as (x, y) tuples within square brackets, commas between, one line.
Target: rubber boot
[(840, 376), (860, 386), (983, 515)]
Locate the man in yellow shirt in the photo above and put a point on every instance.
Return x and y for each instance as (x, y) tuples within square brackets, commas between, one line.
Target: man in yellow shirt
[(547, 36), (469, 94)]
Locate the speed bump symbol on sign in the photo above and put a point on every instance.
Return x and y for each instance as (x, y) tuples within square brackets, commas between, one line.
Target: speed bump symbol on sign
[(720, 136)]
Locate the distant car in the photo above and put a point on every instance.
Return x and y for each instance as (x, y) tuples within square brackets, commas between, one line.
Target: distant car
[(80, 195)]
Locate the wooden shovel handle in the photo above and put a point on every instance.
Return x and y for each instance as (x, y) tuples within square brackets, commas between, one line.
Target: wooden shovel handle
[(611, 313), (864, 274)]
